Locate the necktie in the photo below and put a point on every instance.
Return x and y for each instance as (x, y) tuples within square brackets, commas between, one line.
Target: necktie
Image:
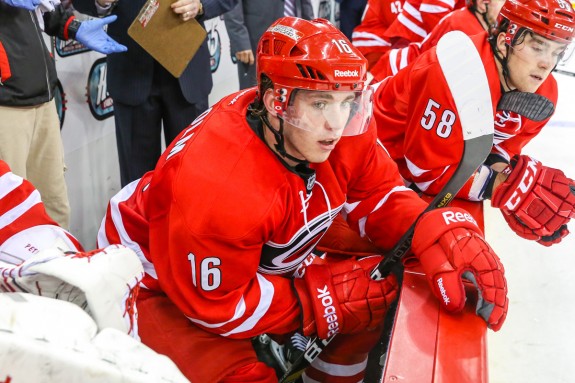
[(289, 8)]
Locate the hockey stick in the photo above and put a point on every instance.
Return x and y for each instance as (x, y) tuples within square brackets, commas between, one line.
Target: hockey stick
[(529, 105), (565, 72), (466, 78)]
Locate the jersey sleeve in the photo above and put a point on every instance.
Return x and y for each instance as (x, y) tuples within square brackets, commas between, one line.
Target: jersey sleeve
[(379, 206), (432, 11), (367, 37), (394, 60)]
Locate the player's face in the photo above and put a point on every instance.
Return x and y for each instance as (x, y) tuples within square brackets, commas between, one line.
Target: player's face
[(531, 61), (315, 123)]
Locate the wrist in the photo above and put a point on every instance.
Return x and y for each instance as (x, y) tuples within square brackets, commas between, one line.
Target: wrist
[(200, 9), (499, 179), (71, 28)]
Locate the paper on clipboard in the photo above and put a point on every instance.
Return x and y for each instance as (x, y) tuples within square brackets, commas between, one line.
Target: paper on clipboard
[(165, 36)]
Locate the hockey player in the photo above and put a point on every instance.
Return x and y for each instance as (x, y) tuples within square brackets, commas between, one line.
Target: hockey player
[(478, 16), (417, 120), (227, 223)]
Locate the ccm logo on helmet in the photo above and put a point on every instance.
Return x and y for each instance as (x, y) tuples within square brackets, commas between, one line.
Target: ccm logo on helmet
[(564, 27), (454, 217), (346, 73)]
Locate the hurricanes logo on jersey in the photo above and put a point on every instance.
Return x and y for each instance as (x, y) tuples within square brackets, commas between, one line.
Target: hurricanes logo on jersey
[(278, 258)]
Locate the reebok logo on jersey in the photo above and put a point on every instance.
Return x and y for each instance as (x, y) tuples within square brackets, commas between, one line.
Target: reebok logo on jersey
[(329, 312), (455, 217), (524, 186), (346, 73), (442, 291)]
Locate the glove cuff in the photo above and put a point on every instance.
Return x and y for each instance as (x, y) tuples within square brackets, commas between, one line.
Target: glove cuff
[(307, 318), (523, 171), (320, 305)]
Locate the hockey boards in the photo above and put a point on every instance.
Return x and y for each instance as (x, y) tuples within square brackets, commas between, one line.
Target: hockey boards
[(467, 81)]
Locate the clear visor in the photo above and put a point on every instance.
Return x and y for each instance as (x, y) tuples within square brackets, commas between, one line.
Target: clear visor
[(344, 113), (536, 47)]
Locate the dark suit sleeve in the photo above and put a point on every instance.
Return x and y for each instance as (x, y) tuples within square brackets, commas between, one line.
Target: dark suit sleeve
[(215, 8), (55, 22), (237, 30), (307, 10)]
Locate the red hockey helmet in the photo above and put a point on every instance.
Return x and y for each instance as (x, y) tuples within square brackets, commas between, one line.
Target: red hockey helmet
[(310, 55), (552, 19)]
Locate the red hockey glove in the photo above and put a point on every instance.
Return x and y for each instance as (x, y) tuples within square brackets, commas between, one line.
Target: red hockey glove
[(451, 247), (340, 297), (536, 201)]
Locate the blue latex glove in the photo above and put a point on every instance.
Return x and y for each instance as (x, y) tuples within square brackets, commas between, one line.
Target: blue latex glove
[(26, 4), (91, 33)]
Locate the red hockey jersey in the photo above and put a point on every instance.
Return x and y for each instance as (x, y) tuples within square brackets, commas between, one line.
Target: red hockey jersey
[(404, 101), (222, 225), (395, 59), (377, 17), (25, 227), (389, 22)]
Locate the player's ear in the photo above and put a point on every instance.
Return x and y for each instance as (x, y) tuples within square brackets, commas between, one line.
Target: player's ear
[(268, 99), (501, 44)]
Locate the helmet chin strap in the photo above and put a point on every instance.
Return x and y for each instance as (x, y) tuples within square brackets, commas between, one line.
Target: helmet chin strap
[(279, 146)]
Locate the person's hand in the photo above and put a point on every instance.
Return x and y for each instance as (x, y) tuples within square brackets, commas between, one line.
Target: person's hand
[(340, 297), (26, 4), (451, 248), (188, 9), (91, 33), (536, 201), (246, 57)]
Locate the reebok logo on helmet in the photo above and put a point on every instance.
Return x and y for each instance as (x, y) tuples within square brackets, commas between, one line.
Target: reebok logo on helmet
[(346, 73)]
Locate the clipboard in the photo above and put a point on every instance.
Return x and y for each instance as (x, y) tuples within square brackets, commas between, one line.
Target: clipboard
[(165, 36)]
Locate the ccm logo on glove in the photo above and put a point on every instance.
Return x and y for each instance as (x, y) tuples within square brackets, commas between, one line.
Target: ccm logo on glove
[(536, 201), (329, 312), (527, 180)]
